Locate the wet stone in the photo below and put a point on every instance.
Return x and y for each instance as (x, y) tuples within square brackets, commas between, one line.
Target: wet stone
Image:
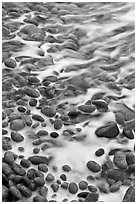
[(130, 157), (32, 173), (39, 181), (100, 104), (83, 185), (58, 124), (87, 108), (115, 187), (9, 157), (129, 195), (33, 102), (55, 187), (4, 124), (63, 177), (26, 192), (6, 143), (6, 169), (54, 134), (113, 151), (120, 160), (116, 174), (18, 169), (50, 177), (9, 62), (110, 130), (65, 185), (36, 150), (39, 199), (5, 192), (15, 192), (48, 111), (38, 160), (33, 80), (4, 132), (35, 125), (38, 118), (120, 119), (92, 197), (93, 166), (90, 178), (16, 137), (43, 168), (99, 152), (92, 188), (17, 125), (73, 188), (25, 163), (127, 132), (42, 133), (43, 191), (31, 92), (21, 109)]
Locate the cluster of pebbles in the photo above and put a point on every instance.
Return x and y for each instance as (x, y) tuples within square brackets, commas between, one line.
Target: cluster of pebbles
[(48, 106)]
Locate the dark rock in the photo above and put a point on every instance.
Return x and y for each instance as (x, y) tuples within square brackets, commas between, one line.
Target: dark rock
[(63, 177), (5, 193), (38, 160), (18, 169), (92, 188), (6, 143), (92, 197), (17, 125), (43, 191), (100, 104), (39, 181), (55, 187), (9, 62), (90, 178), (120, 119), (73, 113), (36, 150), (6, 169), (87, 108), (42, 133), (120, 160), (83, 185), (116, 174), (43, 168), (93, 166), (113, 151), (39, 199), (32, 92), (58, 124), (73, 188), (21, 109), (48, 111), (33, 102), (35, 125), (54, 134), (15, 192), (32, 173), (33, 80), (99, 152), (25, 163), (38, 118), (115, 187), (4, 132), (26, 192), (16, 137), (129, 195), (110, 130), (127, 132), (4, 124), (9, 157), (66, 168), (64, 185), (50, 177), (83, 194), (130, 157)]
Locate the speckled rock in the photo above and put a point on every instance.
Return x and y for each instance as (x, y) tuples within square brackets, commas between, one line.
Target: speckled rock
[(38, 160), (93, 166), (16, 136), (127, 132), (48, 111), (18, 169), (129, 195), (15, 192), (58, 124), (17, 125), (31, 92), (92, 197), (9, 62), (87, 108), (120, 160), (73, 188)]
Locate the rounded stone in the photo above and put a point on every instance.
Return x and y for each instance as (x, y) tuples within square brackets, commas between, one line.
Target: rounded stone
[(54, 134), (9, 62), (48, 111), (21, 109), (120, 160), (17, 125), (42, 133), (43, 168), (99, 152), (58, 124), (9, 157), (43, 191), (65, 185), (16, 137), (26, 192), (15, 192), (130, 157), (129, 195), (18, 169), (92, 188), (36, 150), (39, 181), (73, 188), (92, 197), (38, 118), (87, 108), (50, 177), (38, 160), (93, 166), (115, 187), (83, 185), (127, 132), (120, 119), (5, 192), (55, 187), (63, 177), (33, 102), (25, 163), (31, 92)]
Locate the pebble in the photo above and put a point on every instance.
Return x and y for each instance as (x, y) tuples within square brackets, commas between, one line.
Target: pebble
[(21, 80), (9, 62), (63, 177), (43, 168), (93, 166), (38, 160), (83, 194), (92, 197), (21, 149), (87, 108), (58, 124), (5, 192), (115, 187), (82, 185), (73, 188), (4, 132), (120, 160), (116, 174), (48, 111), (99, 152), (127, 132), (33, 102), (66, 168), (4, 124), (38, 118), (15, 192), (21, 109), (33, 80), (39, 181), (50, 177), (32, 173), (18, 169), (50, 78), (73, 114), (43, 191), (6, 143), (16, 136), (130, 157), (25, 163), (127, 182), (36, 150), (31, 92), (21, 102), (6, 169), (3, 115), (54, 134), (35, 125), (42, 133), (92, 188), (39, 199), (90, 178), (26, 192), (55, 187), (64, 185), (120, 119), (12, 116), (110, 181), (113, 151), (110, 130), (129, 195), (17, 125), (9, 157)]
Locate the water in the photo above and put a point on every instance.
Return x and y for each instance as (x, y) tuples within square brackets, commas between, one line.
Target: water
[(105, 54)]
